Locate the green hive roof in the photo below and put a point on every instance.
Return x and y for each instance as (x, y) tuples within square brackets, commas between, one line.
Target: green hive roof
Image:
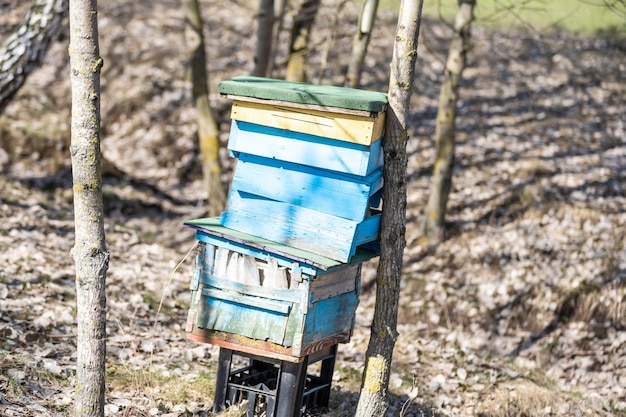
[(303, 93)]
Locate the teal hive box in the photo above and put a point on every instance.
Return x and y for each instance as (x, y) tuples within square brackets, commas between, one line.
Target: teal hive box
[(270, 299)]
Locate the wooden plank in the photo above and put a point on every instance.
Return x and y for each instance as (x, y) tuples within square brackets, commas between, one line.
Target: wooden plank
[(286, 295), (300, 148), (303, 93), (291, 104), (296, 226), (330, 316), (266, 304), (247, 316), (264, 348), (335, 283), (247, 273), (367, 231), (346, 127), (211, 231), (192, 315), (324, 191), (244, 344), (210, 238), (200, 257), (275, 276), (324, 285)]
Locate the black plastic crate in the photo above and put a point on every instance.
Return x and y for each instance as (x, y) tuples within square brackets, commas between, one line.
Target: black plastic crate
[(275, 388)]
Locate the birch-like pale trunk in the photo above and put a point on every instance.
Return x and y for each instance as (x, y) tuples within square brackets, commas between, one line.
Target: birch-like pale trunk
[(361, 42), (433, 225), (373, 401), (90, 255), (26, 47), (264, 39), (208, 132)]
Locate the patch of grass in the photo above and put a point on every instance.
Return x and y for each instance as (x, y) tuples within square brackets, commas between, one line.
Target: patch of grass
[(589, 302), (154, 302), (186, 389), (588, 17), (68, 295), (8, 368), (350, 377), (122, 378), (520, 399), (525, 398), (174, 385)]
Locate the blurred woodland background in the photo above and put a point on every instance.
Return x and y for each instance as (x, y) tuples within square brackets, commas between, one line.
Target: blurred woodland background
[(515, 307)]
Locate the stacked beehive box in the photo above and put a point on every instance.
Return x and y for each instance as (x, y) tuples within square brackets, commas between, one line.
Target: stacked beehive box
[(309, 171), (277, 276), (279, 271)]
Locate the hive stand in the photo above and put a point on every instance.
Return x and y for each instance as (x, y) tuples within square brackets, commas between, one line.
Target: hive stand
[(284, 388)]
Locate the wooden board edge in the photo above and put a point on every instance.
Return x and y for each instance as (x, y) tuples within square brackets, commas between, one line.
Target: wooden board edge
[(262, 348), (318, 107)]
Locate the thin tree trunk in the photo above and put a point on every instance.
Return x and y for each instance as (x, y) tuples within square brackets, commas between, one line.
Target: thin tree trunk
[(299, 45), (26, 47), (373, 401), (90, 255), (280, 6), (361, 41), (433, 226), (208, 133), (265, 38), (333, 27)]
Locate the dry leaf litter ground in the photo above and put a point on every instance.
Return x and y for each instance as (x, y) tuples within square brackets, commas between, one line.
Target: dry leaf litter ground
[(520, 312)]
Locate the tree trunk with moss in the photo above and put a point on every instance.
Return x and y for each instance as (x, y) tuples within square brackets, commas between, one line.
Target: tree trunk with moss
[(26, 47), (373, 401), (433, 225), (361, 42), (299, 45), (90, 255), (208, 133)]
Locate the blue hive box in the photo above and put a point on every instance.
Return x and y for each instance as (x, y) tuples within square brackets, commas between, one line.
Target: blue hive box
[(309, 173)]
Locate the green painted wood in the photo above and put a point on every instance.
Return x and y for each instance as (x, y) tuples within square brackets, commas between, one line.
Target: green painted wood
[(303, 93)]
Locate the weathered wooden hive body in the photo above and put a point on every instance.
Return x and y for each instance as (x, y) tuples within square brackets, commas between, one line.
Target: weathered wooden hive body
[(253, 295), (279, 272)]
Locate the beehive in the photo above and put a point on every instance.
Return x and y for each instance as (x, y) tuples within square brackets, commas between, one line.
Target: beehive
[(257, 296), (309, 173)]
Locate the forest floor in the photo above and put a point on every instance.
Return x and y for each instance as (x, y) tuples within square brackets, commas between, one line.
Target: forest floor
[(520, 312)]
